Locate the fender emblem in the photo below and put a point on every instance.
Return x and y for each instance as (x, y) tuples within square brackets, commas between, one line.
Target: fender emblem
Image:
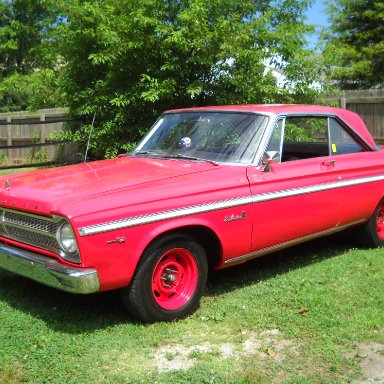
[(233, 217), (118, 240), (7, 187)]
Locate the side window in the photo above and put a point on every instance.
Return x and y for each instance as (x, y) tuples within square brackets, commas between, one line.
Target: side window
[(341, 140), (305, 137), (275, 143)]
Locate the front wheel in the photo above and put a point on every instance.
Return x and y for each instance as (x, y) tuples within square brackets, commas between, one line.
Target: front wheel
[(371, 234), (169, 280)]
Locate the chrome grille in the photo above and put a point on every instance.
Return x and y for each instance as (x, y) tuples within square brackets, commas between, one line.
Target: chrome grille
[(30, 229), (32, 222)]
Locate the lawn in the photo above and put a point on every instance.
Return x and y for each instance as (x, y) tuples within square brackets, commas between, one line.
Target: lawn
[(4, 172), (293, 317)]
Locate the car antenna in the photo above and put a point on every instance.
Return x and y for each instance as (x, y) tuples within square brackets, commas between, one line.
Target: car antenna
[(89, 137)]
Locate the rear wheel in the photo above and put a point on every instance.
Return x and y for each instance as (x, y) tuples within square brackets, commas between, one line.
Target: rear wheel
[(169, 280), (372, 233)]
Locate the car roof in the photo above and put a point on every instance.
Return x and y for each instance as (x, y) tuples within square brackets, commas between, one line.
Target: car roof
[(350, 118)]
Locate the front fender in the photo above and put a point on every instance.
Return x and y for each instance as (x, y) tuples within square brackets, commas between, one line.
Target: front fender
[(115, 254)]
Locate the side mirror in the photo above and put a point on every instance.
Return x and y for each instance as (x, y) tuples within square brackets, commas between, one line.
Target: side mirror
[(269, 158)]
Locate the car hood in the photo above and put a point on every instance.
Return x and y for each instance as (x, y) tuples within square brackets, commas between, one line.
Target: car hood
[(46, 191)]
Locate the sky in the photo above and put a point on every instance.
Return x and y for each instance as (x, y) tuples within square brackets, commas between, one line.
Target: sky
[(316, 15)]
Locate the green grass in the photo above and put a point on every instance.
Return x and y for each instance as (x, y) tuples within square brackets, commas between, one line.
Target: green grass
[(292, 317), (17, 170)]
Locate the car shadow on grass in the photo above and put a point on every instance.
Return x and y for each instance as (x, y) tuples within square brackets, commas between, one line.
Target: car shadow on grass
[(281, 262), (77, 314)]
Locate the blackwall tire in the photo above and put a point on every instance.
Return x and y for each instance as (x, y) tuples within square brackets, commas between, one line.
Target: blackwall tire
[(169, 280), (371, 234)]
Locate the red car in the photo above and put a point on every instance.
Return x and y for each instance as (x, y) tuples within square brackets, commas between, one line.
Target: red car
[(207, 187)]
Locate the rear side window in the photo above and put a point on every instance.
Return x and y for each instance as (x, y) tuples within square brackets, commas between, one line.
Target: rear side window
[(341, 140)]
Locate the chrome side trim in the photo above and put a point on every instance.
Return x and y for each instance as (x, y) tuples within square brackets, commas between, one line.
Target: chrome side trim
[(291, 243), (48, 271), (164, 215), (223, 204), (315, 188)]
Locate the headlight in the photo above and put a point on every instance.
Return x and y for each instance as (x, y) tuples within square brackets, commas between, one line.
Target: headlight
[(67, 241)]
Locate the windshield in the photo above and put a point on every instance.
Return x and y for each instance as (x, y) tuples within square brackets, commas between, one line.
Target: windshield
[(216, 136)]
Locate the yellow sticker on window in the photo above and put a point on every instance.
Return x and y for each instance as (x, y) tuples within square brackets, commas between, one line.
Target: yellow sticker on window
[(334, 148)]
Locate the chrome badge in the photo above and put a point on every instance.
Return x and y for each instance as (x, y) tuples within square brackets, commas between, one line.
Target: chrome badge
[(118, 240), (234, 217)]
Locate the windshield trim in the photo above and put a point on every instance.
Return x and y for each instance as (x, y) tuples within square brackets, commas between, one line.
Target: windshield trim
[(149, 134)]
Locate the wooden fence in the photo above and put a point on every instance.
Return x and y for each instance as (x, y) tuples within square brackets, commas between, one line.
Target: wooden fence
[(27, 139), (369, 104)]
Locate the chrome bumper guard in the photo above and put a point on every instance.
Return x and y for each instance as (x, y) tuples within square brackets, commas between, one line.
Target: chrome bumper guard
[(48, 271)]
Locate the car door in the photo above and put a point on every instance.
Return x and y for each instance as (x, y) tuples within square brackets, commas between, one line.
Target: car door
[(296, 198), (360, 172)]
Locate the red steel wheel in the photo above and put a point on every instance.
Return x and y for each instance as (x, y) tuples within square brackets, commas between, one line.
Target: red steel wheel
[(169, 280), (174, 278)]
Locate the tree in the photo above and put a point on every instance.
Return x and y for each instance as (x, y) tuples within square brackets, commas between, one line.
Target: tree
[(27, 57), (357, 42), (129, 60)]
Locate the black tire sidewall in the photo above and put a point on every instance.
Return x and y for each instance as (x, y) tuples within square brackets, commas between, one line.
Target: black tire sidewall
[(367, 235), (140, 301)]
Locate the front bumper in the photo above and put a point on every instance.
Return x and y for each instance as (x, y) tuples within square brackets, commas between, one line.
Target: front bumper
[(48, 271)]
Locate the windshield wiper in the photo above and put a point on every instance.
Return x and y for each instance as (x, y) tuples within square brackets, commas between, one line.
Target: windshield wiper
[(151, 153), (164, 155), (186, 157)]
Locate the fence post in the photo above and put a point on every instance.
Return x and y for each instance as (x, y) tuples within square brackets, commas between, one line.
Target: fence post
[(343, 103), (43, 128), (9, 140)]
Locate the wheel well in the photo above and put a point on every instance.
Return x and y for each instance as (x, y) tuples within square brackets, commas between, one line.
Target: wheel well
[(204, 236)]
